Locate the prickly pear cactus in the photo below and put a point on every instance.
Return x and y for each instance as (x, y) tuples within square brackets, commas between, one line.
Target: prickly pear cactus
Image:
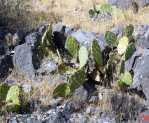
[(3, 91), (83, 56), (62, 90), (125, 79), (113, 66), (129, 30), (97, 54), (122, 46), (129, 51), (77, 79), (72, 46), (111, 39), (47, 38), (46, 45), (106, 8), (12, 99)]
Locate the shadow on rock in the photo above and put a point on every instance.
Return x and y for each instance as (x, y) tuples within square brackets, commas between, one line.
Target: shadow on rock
[(5, 66)]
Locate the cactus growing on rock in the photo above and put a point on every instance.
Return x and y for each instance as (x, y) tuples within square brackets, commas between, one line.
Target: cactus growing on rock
[(77, 79), (72, 46), (128, 30), (122, 46), (129, 51), (83, 56), (111, 39), (62, 90), (96, 53), (3, 91), (125, 78), (108, 70), (12, 99)]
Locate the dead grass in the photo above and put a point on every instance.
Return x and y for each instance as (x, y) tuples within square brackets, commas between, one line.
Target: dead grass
[(72, 13)]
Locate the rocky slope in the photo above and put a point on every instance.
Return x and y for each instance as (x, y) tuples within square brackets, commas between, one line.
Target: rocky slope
[(23, 63)]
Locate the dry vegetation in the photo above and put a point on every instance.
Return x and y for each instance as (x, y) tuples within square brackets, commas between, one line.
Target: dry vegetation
[(70, 12), (29, 13)]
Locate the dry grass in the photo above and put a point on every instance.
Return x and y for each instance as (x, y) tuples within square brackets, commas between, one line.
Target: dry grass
[(72, 13), (42, 88), (75, 13), (127, 17)]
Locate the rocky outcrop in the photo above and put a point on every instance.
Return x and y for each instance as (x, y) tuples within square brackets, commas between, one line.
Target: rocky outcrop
[(125, 4), (22, 61)]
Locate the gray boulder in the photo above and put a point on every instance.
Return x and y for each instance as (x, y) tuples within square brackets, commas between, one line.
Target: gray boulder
[(141, 69), (141, 34), (141, 73), (142, 3), (47, 66), (125, 4), (22, 61), (31, 39), (80, 94), (86, 38)]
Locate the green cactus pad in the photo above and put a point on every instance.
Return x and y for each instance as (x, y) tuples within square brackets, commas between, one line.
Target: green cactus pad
[(46, 44), (72, 46), (111, 39), (129, 30), (106, 8), (83, 56), (64, 68), (3, 91), (62, 90), (126, 79), (12, 99), (47, 38), (129, 51), (122, 46), (97, 54), (77, 79)]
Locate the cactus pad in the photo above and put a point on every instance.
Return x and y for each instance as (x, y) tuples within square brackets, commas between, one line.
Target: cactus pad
[(97, 54), (122, 46), (83, 56), (72, 46), (129, 51), (126, 79), (12, 99), (111, 38), (128, 30), (77, 79), (62, 90)]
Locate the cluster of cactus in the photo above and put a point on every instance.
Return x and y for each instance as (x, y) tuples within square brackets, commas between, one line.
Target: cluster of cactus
[(111, 69), (99, 9), (121, 50), (42, 47), (9, 98), (124, 48)]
